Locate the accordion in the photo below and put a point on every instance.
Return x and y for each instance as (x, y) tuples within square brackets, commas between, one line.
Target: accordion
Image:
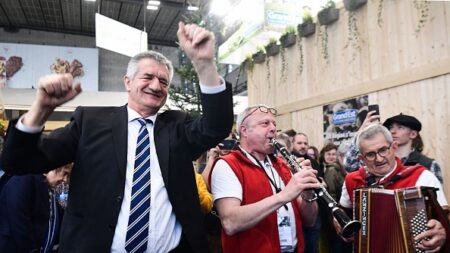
[(390, 219)]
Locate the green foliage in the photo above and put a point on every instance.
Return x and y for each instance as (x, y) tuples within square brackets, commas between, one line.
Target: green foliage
[(354, 37), (307, 15), (284, 66), (379, 13), (187, 98), (323, 34), (290, 30), (423, 7), (300, 49)]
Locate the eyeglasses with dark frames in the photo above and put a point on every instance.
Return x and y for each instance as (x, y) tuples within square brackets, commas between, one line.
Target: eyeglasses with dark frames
[(263, 109), (383, 152)]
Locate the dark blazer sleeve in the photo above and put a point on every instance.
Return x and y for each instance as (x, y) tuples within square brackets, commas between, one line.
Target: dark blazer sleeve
[(215, 123), (34, 153)]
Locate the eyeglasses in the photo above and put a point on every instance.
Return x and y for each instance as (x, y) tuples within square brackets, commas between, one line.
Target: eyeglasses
[(383, 152), (263, 109)]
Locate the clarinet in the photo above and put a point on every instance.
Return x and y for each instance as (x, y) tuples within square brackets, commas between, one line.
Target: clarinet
[(349, 227)]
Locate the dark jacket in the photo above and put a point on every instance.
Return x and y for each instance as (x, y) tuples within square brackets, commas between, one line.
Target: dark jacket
[(24, 214)]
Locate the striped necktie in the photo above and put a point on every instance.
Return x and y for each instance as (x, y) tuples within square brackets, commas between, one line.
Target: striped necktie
[(137, 231)]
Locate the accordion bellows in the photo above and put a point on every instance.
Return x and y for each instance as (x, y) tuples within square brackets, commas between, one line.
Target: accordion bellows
[(390, 219)]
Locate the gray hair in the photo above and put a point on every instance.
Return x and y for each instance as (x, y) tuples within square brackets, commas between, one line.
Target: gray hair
[(244, 114), (284, 137), (370, 132), (158, 57)]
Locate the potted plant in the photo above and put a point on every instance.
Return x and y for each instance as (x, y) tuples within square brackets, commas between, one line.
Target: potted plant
[(288, 37), (308, 27), (328, 14), (259, 56), (352, 5), (248, 62), (272, 48)]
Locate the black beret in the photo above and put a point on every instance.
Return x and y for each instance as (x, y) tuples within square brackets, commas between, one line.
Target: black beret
[(404, 120)]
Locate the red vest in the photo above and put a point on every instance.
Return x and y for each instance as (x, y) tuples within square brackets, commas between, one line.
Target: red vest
[(256, 186), (410, 175)]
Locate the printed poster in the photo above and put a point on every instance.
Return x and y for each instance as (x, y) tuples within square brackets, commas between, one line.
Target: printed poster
[(21, 65), (342, 120)]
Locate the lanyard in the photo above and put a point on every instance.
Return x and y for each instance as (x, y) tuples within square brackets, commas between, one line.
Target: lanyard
[(272, 181)]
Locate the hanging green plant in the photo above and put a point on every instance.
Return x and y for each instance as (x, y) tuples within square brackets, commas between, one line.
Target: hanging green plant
[(423, 7), (379, 13), (323, 36), (268, 71), (284, 65), (272, 48), (248, 62), (352, 5), (354, 37), (260, 55), (329, 14), (307, 27), (300, 49), (288, 38)]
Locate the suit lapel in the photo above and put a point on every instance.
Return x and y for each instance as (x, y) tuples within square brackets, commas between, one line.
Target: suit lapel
[(162, 142), (120, 135)]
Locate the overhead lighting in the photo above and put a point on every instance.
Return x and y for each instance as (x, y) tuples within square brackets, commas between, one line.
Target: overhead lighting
[(152, 7), (151, 2), (89, 0), (192, 8)]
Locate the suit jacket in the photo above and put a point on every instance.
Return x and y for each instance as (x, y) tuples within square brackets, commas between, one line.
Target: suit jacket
[(96, 141), (24, 214)]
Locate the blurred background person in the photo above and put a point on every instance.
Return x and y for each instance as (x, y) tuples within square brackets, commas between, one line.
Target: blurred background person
[(313, 152), (30, 217), (333, 180)]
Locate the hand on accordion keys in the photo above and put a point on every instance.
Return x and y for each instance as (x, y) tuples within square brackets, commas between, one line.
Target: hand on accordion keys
[(433, 239)]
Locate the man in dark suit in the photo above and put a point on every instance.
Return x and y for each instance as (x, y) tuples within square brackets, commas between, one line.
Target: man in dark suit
[(30, 216), (102, 143)]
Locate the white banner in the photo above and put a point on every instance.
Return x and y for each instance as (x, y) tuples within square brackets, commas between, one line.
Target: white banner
[(118, 37)]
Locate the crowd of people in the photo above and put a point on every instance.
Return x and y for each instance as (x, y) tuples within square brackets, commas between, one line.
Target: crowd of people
[(134, 186)]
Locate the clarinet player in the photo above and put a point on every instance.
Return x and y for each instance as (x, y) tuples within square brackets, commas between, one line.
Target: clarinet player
[(258, 199)]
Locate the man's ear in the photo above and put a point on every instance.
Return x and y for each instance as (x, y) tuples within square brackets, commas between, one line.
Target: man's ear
[(413, 134), (127, 82)]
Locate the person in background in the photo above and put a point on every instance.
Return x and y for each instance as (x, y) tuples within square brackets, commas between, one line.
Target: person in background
[(405, 130), (313, 152), (258, 199), (133, 184), (30, 216), (312, 233), (284, 140), (333, 180), (384, 169), (205, 197)]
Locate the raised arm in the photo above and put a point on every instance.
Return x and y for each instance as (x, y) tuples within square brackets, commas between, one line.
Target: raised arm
[(199, 45), (53, 91)]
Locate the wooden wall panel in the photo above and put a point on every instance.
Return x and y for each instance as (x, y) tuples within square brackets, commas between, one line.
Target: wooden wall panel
[(401, 69)]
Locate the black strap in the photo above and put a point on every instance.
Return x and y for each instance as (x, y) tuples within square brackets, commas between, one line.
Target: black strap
[(272, 182)]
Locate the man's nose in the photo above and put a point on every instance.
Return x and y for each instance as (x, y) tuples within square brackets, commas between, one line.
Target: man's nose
[(155, 84)]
